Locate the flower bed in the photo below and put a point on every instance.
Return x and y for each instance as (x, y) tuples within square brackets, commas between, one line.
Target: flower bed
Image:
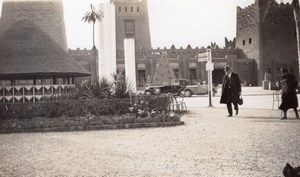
[(67, 115), (90, 122)]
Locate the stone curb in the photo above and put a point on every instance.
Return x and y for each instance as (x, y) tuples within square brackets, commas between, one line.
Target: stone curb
[(97, 127)]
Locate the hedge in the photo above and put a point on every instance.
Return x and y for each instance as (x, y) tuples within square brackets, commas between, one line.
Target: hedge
[(72, 108)]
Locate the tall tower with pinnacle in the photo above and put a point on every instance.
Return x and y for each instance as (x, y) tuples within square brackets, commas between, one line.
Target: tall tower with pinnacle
[(47, 14), (132, 22)]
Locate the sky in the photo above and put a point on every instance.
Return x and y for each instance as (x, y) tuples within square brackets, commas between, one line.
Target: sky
[(178, 22)]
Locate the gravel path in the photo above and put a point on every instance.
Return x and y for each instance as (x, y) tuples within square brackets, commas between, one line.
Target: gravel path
[(254, 144)]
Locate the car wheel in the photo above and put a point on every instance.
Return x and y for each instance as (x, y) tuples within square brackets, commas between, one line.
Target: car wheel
[(187, 93), (148, 93), (182, 93)]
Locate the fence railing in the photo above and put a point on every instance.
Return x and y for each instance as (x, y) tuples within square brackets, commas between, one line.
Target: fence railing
[(32, 93)]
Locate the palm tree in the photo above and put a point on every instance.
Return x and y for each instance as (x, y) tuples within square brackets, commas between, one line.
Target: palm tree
[(93, 15)]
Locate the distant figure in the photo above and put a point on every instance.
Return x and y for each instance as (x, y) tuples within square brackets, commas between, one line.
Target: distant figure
[(289, 95), (231, 90)]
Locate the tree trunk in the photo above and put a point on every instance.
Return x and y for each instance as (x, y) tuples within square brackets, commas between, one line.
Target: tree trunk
[(93, 34), (95, 61)]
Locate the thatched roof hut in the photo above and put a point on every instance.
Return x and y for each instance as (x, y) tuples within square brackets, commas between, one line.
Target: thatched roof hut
[(27, 51)]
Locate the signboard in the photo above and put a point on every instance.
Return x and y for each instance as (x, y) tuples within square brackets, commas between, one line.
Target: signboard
[(202, 57), (209, 66)]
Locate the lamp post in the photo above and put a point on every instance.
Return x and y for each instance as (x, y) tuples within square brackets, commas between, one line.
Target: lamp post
[(206, 56)]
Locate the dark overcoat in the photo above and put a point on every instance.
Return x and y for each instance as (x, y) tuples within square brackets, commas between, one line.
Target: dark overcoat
[(289, 95), (236, 87)]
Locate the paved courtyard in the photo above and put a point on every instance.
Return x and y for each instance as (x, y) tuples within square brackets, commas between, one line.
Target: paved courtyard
[(253, 144)]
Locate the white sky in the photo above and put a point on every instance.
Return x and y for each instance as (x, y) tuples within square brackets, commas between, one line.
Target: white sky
[(178, 22)]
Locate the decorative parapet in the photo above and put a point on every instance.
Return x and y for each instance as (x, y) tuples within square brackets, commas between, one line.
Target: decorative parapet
[(32, 93)]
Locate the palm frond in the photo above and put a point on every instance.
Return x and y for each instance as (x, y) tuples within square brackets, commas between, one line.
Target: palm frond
[(93, 15)]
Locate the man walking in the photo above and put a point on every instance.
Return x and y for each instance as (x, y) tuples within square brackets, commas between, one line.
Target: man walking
[(289, 95), (231, 90)]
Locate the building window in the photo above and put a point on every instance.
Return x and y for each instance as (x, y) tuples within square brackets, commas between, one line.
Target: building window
[(250, 40), (176, 73), (192, 65), (138, 9), (141, 66), (120, 9), (131, 9), (244, 42), (142, 78), (129, 28), (193, 74), (126, 9)]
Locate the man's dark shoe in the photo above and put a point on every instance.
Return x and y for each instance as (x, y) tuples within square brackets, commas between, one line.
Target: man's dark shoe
[(229, 115), (236, 112), (283, 118)]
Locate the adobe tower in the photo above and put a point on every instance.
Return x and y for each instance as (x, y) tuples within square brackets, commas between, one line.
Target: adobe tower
[(266, 32), (47, 14), (132, 22), (123, 19)]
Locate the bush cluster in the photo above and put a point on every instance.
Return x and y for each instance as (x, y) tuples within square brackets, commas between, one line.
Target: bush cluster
[(81, 107), (70, 108), (98, 103)]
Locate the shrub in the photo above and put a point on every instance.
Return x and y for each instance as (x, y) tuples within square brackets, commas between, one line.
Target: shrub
[(121, 87), (95, 90), (81, 107)]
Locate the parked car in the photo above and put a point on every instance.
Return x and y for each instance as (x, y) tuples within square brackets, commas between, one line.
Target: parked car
[(156, 90), (180, 87), (175, 88), (198, 89), (181, 82)]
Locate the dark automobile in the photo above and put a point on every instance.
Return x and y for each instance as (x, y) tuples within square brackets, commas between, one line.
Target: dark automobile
[(175, 88), (156, 90)]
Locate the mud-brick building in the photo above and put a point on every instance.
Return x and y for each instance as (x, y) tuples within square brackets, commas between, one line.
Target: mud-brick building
[(185, 64), (266, 32), (88, 60)]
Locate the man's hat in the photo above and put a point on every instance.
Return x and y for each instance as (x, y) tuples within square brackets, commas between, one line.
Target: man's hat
[(227, 67)]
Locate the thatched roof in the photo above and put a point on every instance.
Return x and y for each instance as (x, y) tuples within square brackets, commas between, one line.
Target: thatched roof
[(27, 50)]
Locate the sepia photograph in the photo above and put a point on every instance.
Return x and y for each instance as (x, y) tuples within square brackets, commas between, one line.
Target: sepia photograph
[(149, 88)]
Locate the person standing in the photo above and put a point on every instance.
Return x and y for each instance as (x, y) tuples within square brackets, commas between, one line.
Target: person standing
[(288, 95), (231, 90)]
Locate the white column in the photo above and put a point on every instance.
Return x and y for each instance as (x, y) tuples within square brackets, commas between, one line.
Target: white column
[(107, 42), (130, 69)]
